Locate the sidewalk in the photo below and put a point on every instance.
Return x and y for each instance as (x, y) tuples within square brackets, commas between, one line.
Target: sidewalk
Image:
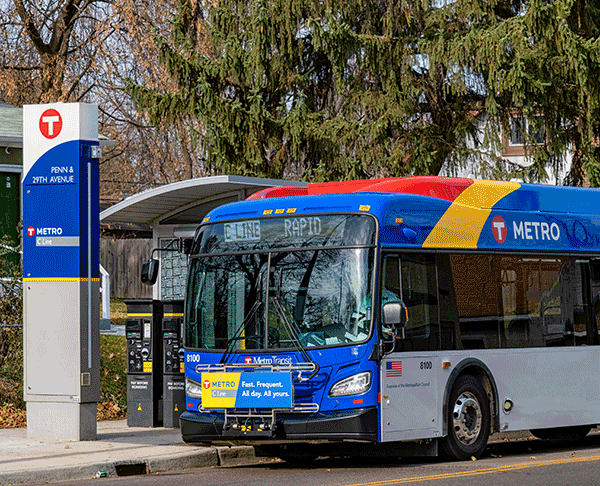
[(119, 451)]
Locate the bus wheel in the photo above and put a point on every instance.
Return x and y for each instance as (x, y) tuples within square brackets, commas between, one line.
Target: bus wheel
[(468, 419), (563, 434)]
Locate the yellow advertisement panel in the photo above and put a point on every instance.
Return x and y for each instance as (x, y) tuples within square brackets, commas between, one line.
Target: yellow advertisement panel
[(219, 389)]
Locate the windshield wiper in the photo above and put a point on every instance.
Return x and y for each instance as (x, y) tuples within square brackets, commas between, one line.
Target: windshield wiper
[(303, 289), (292, 329)]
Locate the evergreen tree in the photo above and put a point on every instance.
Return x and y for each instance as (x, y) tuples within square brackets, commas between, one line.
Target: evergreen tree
[(347, 89), (536, 59)]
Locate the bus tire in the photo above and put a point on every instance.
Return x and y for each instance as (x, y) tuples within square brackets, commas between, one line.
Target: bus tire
[(563, 434), (468, 419)]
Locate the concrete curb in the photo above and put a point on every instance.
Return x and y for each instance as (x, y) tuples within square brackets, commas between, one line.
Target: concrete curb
[(208, 457), (183, 460), (236, 456), (67, 473)]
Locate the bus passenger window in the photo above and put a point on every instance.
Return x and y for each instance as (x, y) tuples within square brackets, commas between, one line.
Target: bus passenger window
[(475, 291), (531, 302), (582, 311), (449, 332), (515, 321)]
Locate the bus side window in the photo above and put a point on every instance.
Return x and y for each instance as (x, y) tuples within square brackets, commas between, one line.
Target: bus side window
[(419, 293), (449, 329), (581, 298), (531, 302), (390, 288), (595, 278), (416, 286), (391, 279), (476, 294)]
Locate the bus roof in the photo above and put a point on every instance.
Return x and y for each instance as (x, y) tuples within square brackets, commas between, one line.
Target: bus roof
[(444, 212)]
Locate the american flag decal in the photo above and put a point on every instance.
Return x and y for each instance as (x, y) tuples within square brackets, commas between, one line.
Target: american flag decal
[(393, 369)]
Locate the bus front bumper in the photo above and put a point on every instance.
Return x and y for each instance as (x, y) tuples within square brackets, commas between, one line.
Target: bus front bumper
[(355, 424)]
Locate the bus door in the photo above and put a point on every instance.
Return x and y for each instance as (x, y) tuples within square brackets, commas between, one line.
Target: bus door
[(595, 274), (586, 310), (409, 391)]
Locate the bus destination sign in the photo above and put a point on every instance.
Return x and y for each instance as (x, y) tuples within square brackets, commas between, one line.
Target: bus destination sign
[(241, 231), (288, 232)]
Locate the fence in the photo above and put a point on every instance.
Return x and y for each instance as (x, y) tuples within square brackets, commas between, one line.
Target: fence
[(122, 259)]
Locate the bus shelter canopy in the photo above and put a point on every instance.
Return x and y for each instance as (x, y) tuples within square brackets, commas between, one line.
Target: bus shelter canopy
[(186, 202)]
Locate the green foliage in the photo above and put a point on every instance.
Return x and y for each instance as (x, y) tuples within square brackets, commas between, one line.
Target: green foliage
[(348, 89), (11, 284), (118, 311), (11, 301), (113, 377), (11, 367), (12, 406)]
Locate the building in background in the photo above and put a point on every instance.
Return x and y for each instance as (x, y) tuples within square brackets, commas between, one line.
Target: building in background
[(11, 167)]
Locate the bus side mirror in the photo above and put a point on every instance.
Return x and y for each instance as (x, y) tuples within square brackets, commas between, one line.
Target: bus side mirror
[(149, 271), (395, 315), (185, 245)]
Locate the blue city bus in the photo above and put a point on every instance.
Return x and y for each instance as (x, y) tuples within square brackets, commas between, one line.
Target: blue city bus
[(394, 317)]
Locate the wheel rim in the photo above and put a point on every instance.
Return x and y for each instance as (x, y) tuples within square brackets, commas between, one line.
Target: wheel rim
[(467, 418)]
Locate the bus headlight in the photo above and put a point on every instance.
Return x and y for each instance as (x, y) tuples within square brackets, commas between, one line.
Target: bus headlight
[(193, 389), (353, 385)]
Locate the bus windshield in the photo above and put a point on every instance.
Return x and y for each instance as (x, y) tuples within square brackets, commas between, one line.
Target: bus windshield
[(317, 291)]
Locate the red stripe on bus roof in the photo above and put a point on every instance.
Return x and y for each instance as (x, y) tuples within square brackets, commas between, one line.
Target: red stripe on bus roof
[(283, 191), (448, 188), (340, 187)]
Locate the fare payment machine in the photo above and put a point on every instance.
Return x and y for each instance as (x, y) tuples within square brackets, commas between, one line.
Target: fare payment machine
[(155, 379), (173, 363), (144, 363)]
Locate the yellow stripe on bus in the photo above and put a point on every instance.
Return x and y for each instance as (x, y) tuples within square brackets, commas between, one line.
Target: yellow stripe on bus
[(461, 224)]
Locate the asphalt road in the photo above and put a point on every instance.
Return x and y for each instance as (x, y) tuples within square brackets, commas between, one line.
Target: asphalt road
[(514, 463)]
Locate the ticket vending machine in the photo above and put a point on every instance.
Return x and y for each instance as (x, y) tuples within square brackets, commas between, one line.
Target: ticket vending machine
[(144, 363), (173, 364)]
